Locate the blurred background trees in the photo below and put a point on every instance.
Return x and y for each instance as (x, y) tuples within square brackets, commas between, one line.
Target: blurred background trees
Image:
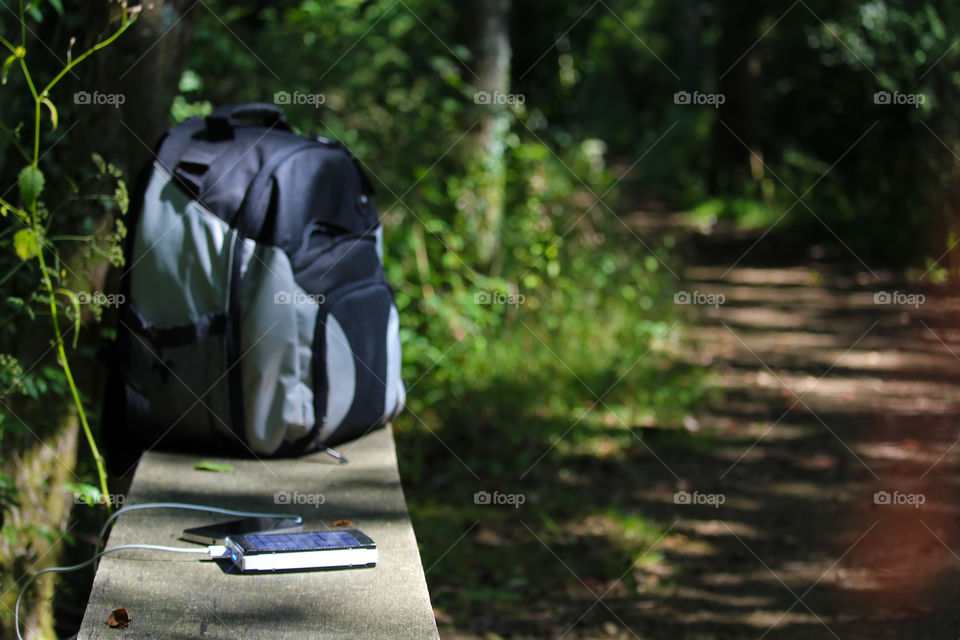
[(523, 195)]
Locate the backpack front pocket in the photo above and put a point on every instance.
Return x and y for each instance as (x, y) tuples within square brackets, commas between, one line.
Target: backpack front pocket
[(178, 372), (356, 350)]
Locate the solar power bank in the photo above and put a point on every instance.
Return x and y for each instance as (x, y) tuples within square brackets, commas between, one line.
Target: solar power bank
[(302, 551)]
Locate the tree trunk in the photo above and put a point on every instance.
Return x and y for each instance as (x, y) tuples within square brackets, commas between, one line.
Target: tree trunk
[(489, 38), (735, 152), (40, 464), (692, 44), (144, 66)]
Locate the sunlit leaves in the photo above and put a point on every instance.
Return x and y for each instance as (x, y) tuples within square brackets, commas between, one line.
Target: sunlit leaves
[(54, 115), (26, 243)]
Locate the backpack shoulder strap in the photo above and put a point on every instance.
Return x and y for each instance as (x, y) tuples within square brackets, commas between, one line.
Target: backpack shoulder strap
[(253, 212)]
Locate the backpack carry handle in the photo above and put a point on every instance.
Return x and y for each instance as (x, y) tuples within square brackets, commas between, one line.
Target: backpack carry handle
[(223, 119)]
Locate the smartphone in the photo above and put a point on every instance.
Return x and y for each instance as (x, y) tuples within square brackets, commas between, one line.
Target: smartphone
[(302, 551), (216, 533)]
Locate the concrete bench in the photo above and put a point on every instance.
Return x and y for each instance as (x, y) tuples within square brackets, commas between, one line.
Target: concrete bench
[(177, 596)]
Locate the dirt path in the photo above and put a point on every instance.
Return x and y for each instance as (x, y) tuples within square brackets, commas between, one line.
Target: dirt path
[(837, 390), (831, 395)]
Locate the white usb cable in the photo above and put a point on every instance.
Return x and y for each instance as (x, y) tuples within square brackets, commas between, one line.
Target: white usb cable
[(216, 551), (152, 547)]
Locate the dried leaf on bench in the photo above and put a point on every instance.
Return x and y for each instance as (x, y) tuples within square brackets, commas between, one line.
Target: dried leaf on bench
[(343, 523), (218, 467), (119, 619)]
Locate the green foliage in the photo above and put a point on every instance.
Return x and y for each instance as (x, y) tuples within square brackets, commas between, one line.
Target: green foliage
[(31, 186), (561, 346), (746, 213), (85, 493), (402, 97), (216, 467), (46, 237), (567, 320), (51, 238), (801, 96)]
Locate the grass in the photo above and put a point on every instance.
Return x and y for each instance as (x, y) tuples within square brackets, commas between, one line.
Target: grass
[(745, 213), (559, 414)]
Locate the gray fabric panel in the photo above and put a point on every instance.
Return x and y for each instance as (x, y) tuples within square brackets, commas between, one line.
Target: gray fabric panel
[(379, 243), (395, 391), (278, 323), (248, 247), (341, 377), (299, 414), (181, 256)]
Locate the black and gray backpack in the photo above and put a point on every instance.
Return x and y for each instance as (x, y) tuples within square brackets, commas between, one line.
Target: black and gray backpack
[(256, 318)]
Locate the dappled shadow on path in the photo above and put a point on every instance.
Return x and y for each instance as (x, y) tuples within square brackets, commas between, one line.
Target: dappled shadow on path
[(835, 448), (832, 442)]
